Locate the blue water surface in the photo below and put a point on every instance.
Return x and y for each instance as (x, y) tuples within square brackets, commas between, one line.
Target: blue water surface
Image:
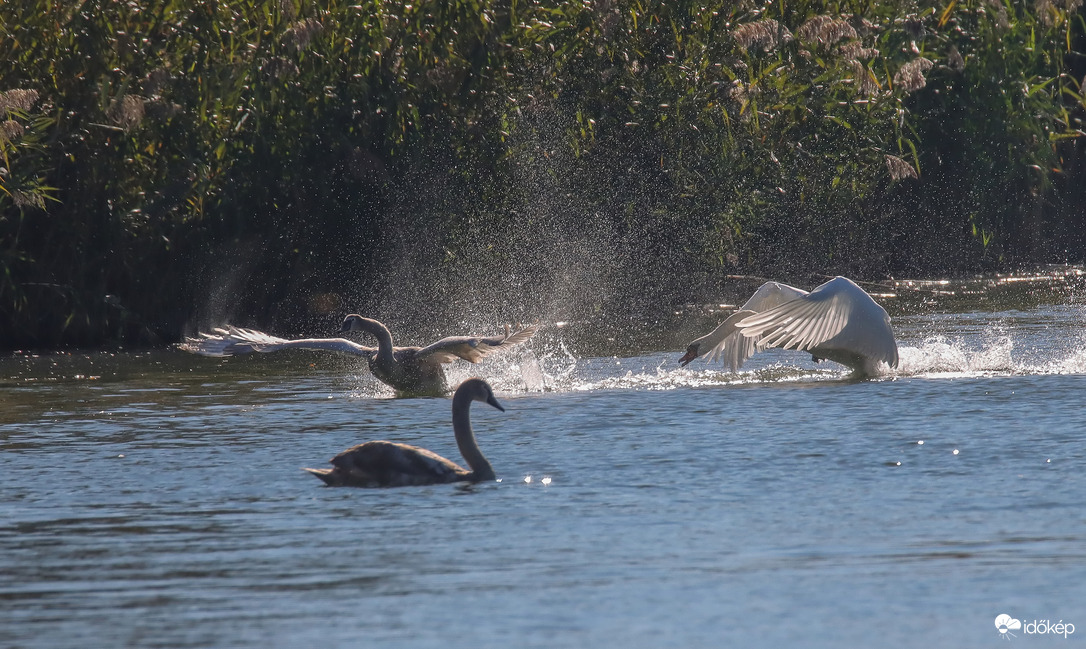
[(157, 500)]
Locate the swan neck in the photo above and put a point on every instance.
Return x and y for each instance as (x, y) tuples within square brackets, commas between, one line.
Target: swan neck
[(384, 343), (465, 439), (723, 330)]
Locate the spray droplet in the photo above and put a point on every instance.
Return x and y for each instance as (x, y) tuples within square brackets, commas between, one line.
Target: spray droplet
[(921, 442), (955, 451)]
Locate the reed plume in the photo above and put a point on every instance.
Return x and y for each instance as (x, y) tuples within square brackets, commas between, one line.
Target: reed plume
[(1053, 12), (910, 77), (766, 34), (866, 85), (825, 30), (301, 33), (17, 100), (28, 199), (10, 130), (126, 112), (914, 28), (954, 59), (855, 51), (899, 169)]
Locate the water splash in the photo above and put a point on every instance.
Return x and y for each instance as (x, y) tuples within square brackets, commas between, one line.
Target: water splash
[(1035, 342), (1074, 364), (988, 347), (670, 379), (941, 355)]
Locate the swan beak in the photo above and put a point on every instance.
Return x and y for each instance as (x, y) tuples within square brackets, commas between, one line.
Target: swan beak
[(494, 402), (691, 354)]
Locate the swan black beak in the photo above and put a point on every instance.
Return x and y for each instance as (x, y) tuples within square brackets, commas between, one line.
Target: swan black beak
[(691, 354), (494, 402)]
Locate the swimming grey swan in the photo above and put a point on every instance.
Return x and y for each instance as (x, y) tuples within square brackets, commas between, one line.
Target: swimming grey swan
[(388, 464), (408, 370), (837, 321)]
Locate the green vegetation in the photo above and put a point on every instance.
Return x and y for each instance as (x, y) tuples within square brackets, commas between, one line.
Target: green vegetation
[(278, 163)]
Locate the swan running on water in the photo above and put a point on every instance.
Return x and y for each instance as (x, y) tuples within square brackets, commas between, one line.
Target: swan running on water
[(388, 464), (837, 321), (408, 370)]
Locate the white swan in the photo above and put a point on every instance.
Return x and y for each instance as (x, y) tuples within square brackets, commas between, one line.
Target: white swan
[(408, 370), (388, 464), (837, 321)]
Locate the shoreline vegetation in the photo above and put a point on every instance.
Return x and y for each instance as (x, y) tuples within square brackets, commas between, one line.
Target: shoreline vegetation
[(171, 166)]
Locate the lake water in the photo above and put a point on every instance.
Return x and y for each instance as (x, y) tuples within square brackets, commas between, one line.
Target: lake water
[(157, 500)]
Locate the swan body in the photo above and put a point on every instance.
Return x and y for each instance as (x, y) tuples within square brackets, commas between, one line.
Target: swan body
[(837, 321), (388, 464), (408, 370)]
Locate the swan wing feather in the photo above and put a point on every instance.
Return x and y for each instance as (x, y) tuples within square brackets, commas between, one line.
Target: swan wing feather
[(770, 295), (733, 346), (382, 463), (472, 348), (231, 341), (838, 315), (730, 346), (800, 324)]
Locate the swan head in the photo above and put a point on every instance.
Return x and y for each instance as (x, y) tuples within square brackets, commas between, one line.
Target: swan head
[(691, 354), (478, 390), (355, 322)]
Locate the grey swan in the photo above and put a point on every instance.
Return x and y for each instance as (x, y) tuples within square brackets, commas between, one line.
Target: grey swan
[(389, 464), (836, 321), (408, 370)]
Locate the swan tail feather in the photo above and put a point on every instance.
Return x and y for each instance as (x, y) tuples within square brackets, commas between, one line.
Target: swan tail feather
[(328, 476)]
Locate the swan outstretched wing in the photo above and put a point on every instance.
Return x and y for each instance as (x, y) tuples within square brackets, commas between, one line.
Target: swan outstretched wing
[(732, 346), (473, 348), (737, 345), (802, 323), (770, 295), (838, 314), (231, 341)]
